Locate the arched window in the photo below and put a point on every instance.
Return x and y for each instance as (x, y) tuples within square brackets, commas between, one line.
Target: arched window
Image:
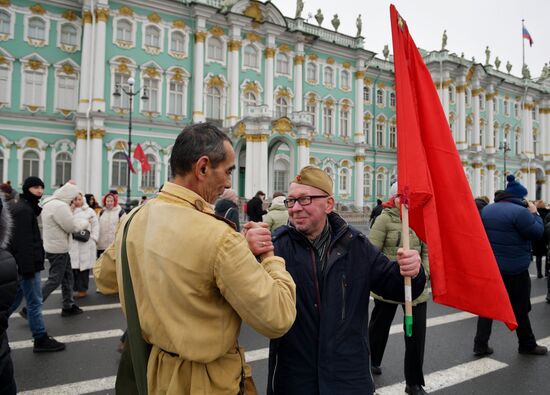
[(379, 96), (392, 99), (37, 29), (366, 93), (213, 103), (5, 22), (152, 85), (379, 134), (149, 179), (63, 166), (517, 142), (366, 130), (282, 64), (280, 175), (344, 79), (344, 122), (122, 101), (250, 100), (312, 109), (251, 57), (393, 136), (177, 43), (367, 182), (68, 34), (481, 102), (152, 36), (328, 76), (35, 85), (328, 117), (176, 99), (124, 30), (281, 107), (312, 72), (344, 180), (215, 49), (119, 170), (330, 173), (380, 185), (31, 164)]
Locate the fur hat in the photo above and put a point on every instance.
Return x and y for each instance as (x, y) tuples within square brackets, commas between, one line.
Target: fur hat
[(514, 188), (32, 182), (315, 177)]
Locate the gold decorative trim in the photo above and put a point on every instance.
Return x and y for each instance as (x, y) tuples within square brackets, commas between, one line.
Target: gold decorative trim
[(284, 48), (461, 88), (178, 75), (547, 172), (313, 57), (282, 125), (126, 11), (5, 3), (367, 82), (490, 96), (217, 31), (97, 133), (359, 158), (269, 52), (491, 167), (477, 92), (346, 65), (178, 24), (329, 103), (3, 60), (200, 37), (477, 165), (303, 142), (31, 143), (87, 17), (256, 138), (69, 15), (359, 75), (524, 170), (367, 117), (381, 85), (123, 68), (98, 100), (251, 86), (198, 113), (152, 72), (234, 45), (154, 18), (80, 134), (239, 130), (528, 106), (35, 64), (253, 37), (311, 98), (330, 60), (255, 12), (216, 82), (37, 9), (299, 59), (283, 92), (67, 68), (102, 14)]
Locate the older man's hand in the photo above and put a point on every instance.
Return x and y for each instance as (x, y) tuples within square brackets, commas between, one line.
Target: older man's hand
[(409, 262), (258, 237)]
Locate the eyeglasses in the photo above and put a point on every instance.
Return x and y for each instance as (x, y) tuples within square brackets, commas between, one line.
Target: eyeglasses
[(303, 200)]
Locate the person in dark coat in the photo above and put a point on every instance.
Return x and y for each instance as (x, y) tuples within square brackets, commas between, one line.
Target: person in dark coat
[(227, 207), (376, 211), (326, 352), (8, 292), (540, 248), (511, 224), (28, 251), (255, 207), (481, 202)]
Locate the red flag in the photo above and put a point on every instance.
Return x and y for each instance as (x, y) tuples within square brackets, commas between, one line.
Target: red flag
[(142, 158), (464, 272)]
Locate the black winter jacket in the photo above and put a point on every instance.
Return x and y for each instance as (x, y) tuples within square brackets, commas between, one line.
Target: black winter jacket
[(229, 210), (326, 350), (255, 210), (26, 243)]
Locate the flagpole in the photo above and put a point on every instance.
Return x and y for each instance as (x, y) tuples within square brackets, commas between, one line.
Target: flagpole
[(523, 44), (408, 289)]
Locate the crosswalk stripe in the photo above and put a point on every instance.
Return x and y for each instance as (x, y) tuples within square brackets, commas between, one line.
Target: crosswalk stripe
[(256, 355), (80, 337), (81, 387), (85, 308), (449, 377)]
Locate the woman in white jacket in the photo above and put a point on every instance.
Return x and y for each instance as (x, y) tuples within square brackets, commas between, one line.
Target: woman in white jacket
[(83, 253), (109, 218)]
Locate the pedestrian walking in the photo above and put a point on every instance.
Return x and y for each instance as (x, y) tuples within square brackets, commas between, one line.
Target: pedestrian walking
[(335, 267), (512, 223), (277, 214), (255, 207), (386, 236), (540, 248), (376, 211), (58, 227), (27, 248), (227, 206), (190, 309), (109, 217), (83, 246)]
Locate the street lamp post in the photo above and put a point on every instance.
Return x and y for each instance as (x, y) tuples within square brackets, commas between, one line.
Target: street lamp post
[(131, 93), (505, 147)]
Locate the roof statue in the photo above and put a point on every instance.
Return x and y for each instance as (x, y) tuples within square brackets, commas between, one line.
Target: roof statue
[(508, 67), (299, 8), (444, 40), (487, 55), (497, 62), (227, 5), (525, 72), (386, 52), (319, 17), (335, 22), (359, 24)]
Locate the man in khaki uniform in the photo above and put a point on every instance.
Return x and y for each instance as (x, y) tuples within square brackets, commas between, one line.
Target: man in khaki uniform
[(195, 278)]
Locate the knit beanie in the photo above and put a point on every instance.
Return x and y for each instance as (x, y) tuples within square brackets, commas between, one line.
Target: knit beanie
[(514, 188), (32, 182)]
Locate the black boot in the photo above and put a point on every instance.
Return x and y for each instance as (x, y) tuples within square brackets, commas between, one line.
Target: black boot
[(47, 343), (74, 310), (415, 390)]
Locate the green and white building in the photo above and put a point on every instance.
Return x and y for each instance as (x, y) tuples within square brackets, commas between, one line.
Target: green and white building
[(288, 93)]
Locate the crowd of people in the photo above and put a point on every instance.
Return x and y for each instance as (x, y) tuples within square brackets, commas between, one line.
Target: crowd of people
[(294, 270)]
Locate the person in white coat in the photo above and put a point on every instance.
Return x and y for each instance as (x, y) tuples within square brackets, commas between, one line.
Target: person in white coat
[(109, 218), (83, 253)]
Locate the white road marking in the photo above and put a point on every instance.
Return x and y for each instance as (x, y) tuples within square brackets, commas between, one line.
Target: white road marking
[(449, 377), (81, 387), (80, 337), (85, 308), (256, 355)]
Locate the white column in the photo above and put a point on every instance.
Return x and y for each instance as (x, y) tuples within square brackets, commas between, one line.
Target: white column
[(476, 182), (359, 179), (298, 77), (527, 128), (491, 181), (359, 137), (79, 158), (546, 186), (442, 89), (102, 14), (489, 147), (198, 73), (461, 115), (475, 106), (543, 131), (85, 65), (234, 47), (303, 152), (96, 161), (269, 73), (256, 164)]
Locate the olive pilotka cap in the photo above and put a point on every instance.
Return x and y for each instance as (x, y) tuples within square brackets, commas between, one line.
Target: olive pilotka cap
[(315, 177)]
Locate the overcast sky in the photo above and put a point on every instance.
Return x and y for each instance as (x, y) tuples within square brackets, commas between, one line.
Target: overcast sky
[(471, 25)]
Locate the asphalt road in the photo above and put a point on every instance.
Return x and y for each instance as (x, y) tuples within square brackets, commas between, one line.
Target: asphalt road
[(90, 362)]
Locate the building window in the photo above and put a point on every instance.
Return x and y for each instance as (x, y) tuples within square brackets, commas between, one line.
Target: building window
[(4, 84), (345, 80), (312, 109), (31, 165), (330, 173), (124, 31), (366, 130), (344, 122), (393, 137), (516, 110), (251, 58), (34, 88), (506, 107), (495, 105), (67, 88), (281, 107), (282, 64), (344, 181), (250, 100), (312, 73), (380, 185), (152, 36), (5, 22), (122, 101), (380, 97), (215, 49), (367, 182), (119, 170), (328, 117), (392, 99), (379, 134), (213, 103), (152, 86), (366, 93), (534, 114), (149, 179), (328, 76), (481, 102), (468, 97), (451, 90), (517, 142), (280, 176), (37, 29), (176, 98), (177, 42), (63, 165), (69, 35)]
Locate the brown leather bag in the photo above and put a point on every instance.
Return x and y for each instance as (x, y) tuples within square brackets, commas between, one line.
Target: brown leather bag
[(247, 385)]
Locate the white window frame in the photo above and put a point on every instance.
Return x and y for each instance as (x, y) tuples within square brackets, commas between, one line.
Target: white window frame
[(344, 185), (330, 82), (393, 136), (495, 105), (10, 34), (68, 47), (213, 115), (278, 71), (345, 76), (392, 99), (170, 74), (345, 122), (43, 71), (131, 67), (380, 99), (144, 106), (244, 92), (8, 67), (380, 133), (257, 65), (178, 54), (367, 89), (316, 73), (223, 42), (331, 117), (506, 104), (121, 173), (150, 149), (34, 41), (61, 74), (367, 129), (69, 161), (381, 177), (367, 181), (223, 93), (40, 150), (315, 113), (468, 97), (282, 110), (151, 49), (124, 43)]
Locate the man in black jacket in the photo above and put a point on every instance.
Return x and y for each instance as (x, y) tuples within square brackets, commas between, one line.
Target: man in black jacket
[(334, 267), (255, 207), (26, 246)]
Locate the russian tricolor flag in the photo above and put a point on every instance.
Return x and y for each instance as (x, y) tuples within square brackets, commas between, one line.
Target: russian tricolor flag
[(129, 161), (527, 36)]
